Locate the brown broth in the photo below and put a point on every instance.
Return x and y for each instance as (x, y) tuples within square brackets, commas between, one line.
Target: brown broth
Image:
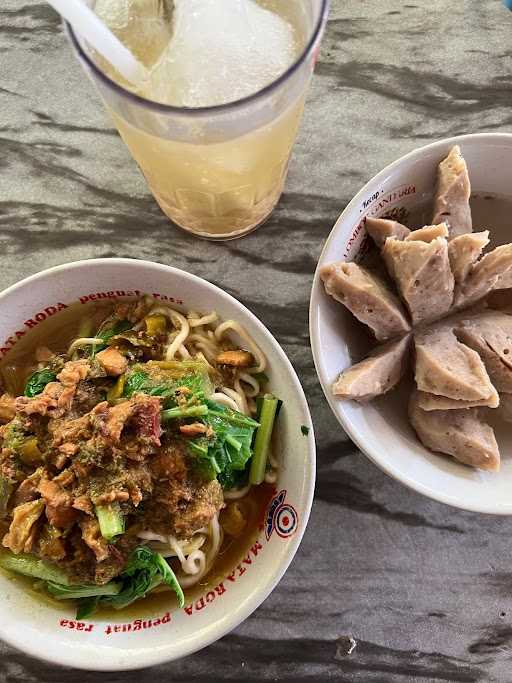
[(56, 333)]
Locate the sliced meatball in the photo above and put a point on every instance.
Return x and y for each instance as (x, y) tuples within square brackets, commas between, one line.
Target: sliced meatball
[(434, 402), (490, 334), (367, 297), (453, 190), (459, 433), (464, 251), (428, 233), (485, 275), (446, 367), (376, 374), (423, 276), (380, 229)]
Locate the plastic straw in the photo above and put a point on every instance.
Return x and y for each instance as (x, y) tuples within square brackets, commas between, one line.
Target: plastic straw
[(90, 27)]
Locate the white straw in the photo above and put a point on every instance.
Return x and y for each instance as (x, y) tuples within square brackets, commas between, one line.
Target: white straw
[(90, 27)]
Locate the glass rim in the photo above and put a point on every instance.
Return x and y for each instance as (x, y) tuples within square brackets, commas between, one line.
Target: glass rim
[(217, 108)]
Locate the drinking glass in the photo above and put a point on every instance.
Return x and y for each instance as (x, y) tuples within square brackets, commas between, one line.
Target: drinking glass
[(216, 171)]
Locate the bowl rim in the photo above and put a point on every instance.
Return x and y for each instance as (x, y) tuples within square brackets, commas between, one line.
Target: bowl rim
[(160, 655), (314, 322)]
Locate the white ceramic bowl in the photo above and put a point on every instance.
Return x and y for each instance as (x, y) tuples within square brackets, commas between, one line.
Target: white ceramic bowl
[(54, 634), (381, 429)]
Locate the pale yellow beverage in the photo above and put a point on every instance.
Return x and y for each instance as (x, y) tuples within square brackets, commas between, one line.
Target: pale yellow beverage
[(214, 153), (222, 189)]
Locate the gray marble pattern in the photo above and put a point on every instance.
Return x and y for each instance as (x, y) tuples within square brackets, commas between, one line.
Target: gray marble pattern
[(424, 590)]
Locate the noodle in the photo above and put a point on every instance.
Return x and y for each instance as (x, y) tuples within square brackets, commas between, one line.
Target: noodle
[(215, 538), (210, 349), (273, 462), (195, 567), (252, 382), (183, 351), (180, 337), (236, 397), (84, 341), (243, 397), (165, 546), (205, 320), (225, 400)]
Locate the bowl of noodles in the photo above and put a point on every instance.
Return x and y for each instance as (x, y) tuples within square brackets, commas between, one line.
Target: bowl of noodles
[(156, 469)]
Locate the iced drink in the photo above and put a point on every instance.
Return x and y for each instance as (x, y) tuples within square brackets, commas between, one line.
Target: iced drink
[(213, 126)]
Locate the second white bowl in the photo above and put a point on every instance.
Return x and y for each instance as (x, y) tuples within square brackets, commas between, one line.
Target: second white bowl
[(381, 428)]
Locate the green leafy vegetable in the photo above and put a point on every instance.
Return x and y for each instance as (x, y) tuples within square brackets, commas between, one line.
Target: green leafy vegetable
[(139, 381), (304, 429), (87, 606), (111, 521), (267, 415), (232, 479), (144, 571), (62, 592), (230, 416), (37, 382), (205, 461), (28, 565), (164, 378), (224, 454), (135, 381), (119, 327)]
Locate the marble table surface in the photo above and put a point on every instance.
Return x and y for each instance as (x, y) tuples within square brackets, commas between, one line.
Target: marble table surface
[(425, 590)]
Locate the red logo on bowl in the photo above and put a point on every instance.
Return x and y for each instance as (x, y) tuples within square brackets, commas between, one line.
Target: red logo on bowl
[(281, 517)]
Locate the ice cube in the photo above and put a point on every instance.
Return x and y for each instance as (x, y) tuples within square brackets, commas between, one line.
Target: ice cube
[(142, 25), (220, 51), (115, 13)]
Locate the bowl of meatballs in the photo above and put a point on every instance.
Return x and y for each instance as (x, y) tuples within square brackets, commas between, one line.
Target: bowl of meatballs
[(411, 321)]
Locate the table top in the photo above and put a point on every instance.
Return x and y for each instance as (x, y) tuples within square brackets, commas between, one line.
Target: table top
[(425, 590)]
